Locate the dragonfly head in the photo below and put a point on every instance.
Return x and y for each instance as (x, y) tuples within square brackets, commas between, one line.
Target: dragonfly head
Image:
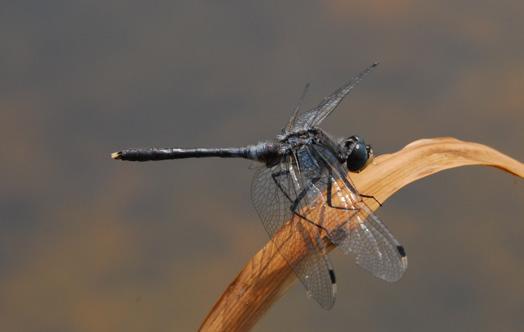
[(359, 154)]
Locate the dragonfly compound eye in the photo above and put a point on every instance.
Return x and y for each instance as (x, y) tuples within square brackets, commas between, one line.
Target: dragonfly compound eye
[(359, 155)]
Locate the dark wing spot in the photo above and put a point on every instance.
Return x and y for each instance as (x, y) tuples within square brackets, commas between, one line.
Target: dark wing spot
[(332, 276), (401, 251)]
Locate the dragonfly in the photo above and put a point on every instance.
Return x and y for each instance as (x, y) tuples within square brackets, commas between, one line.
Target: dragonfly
[(303, 182)]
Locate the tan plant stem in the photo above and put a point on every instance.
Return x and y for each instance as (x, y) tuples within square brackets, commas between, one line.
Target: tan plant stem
[(267, 275)]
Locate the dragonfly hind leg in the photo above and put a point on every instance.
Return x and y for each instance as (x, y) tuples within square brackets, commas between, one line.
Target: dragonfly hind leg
[(294, 207), (275, 176), (295, 202), (315, 268)]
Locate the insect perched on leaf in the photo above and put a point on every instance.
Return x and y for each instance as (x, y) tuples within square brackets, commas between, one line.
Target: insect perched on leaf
[(304, 181)]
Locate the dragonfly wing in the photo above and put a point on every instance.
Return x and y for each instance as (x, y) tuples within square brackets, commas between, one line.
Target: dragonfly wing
[(296, 111), (315, 116), (355, 228), (375, 248), (274, 191)]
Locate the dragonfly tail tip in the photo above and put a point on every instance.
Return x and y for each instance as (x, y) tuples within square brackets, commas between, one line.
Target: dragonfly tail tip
[(116, 155)]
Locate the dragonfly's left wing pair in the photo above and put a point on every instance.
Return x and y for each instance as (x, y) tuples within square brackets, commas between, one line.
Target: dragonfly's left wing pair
[(276, 192)]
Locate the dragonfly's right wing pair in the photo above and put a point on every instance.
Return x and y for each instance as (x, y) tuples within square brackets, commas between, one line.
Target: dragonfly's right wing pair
[(312, 118), (281, 195)]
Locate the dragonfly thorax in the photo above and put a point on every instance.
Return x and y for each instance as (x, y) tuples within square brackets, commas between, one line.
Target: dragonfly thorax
[(353, 150), (300, 136)]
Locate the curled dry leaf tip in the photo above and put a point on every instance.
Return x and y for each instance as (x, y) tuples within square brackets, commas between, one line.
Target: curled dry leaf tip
[(266, 276)]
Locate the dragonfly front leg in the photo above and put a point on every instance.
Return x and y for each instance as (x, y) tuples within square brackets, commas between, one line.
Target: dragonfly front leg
[(329, 193), (373, 197)]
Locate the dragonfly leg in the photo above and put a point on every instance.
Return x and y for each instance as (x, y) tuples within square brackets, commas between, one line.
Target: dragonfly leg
[(300, 197), (275, 177), (372, 197), (329, 194), (293, 209)]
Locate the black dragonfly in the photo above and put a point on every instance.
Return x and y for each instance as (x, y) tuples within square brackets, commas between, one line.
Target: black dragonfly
[(304, 181)]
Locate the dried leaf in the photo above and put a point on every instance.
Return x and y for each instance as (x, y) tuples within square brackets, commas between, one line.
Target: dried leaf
[(267, 275)]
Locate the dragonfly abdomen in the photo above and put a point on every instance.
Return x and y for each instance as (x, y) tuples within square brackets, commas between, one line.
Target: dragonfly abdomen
[(151, 154), (262, 152)]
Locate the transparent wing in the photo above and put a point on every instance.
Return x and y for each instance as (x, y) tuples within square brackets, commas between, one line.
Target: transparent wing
[(275, 191), (354, 227), (375, 248), (297, 110), (315, 116)]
